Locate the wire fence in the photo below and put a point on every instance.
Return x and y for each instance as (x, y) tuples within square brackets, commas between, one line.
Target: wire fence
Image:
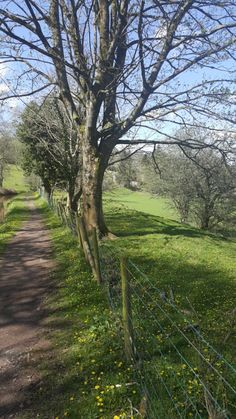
[(180, 373)]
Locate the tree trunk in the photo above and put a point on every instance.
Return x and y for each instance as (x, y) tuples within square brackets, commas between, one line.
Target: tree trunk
[(73, 198), (47, 189), (94, 166), (1, 176)]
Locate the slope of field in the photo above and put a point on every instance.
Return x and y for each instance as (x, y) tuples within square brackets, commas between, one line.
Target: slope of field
[(197, 270), (140, 201), (197, 264), (15, 179)]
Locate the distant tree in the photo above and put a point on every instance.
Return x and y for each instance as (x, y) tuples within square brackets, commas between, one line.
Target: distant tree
[(44, 130), (126, 172), (201, 187), (215, 185)]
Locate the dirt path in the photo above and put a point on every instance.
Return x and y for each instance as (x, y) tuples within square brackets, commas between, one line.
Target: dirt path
[(24, 284)]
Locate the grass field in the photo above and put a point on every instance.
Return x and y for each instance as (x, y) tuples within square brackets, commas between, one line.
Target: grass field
[(199, 268), (197, 264), (15, 179), (140, 201)]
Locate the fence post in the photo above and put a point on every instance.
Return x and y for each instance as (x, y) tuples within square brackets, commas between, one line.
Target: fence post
[(96, 255), (126, 311)]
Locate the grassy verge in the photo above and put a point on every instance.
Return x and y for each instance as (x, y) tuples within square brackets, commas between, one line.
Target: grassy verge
[(16, 212), (87, 376)]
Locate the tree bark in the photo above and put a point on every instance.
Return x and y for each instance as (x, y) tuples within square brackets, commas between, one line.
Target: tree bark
[(1, 176), (47, 189), (94, 166), (73, 198)]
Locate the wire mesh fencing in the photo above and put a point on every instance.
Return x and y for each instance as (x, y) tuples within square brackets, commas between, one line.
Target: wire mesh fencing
[(182, 374)]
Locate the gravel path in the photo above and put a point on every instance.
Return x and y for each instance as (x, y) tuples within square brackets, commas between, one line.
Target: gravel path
[(24, 284)]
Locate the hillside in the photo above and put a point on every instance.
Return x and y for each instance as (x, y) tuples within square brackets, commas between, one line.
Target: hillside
[(140, 201), (15, 179)]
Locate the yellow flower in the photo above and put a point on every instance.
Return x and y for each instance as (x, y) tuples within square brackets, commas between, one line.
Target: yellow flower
[(71, 398), (116, 417), (97, 387)]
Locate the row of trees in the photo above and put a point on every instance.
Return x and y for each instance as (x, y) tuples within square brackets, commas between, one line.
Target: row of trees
[(200, 184), (117, 67)]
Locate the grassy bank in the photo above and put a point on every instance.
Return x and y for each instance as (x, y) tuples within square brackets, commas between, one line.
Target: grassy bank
[(198, 269), (15, 179), (92, 380), (197, 264), (86, 377), (15, 213)]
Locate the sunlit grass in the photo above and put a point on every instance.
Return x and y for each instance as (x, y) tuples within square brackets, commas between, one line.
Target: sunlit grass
[(140, 201), (15, 179), (15, 213)]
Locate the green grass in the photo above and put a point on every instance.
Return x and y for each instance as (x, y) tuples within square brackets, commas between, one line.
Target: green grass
[(15, 179), (140, 201), (80, 377), (16, 213), (199, 268), (86, 375)]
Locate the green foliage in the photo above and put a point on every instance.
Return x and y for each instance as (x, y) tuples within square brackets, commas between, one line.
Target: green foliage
[(33, 134), (199, 184), (45, 134), (8, 153)]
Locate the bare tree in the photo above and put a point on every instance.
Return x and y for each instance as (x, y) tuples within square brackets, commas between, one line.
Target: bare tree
[(123, 65)]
